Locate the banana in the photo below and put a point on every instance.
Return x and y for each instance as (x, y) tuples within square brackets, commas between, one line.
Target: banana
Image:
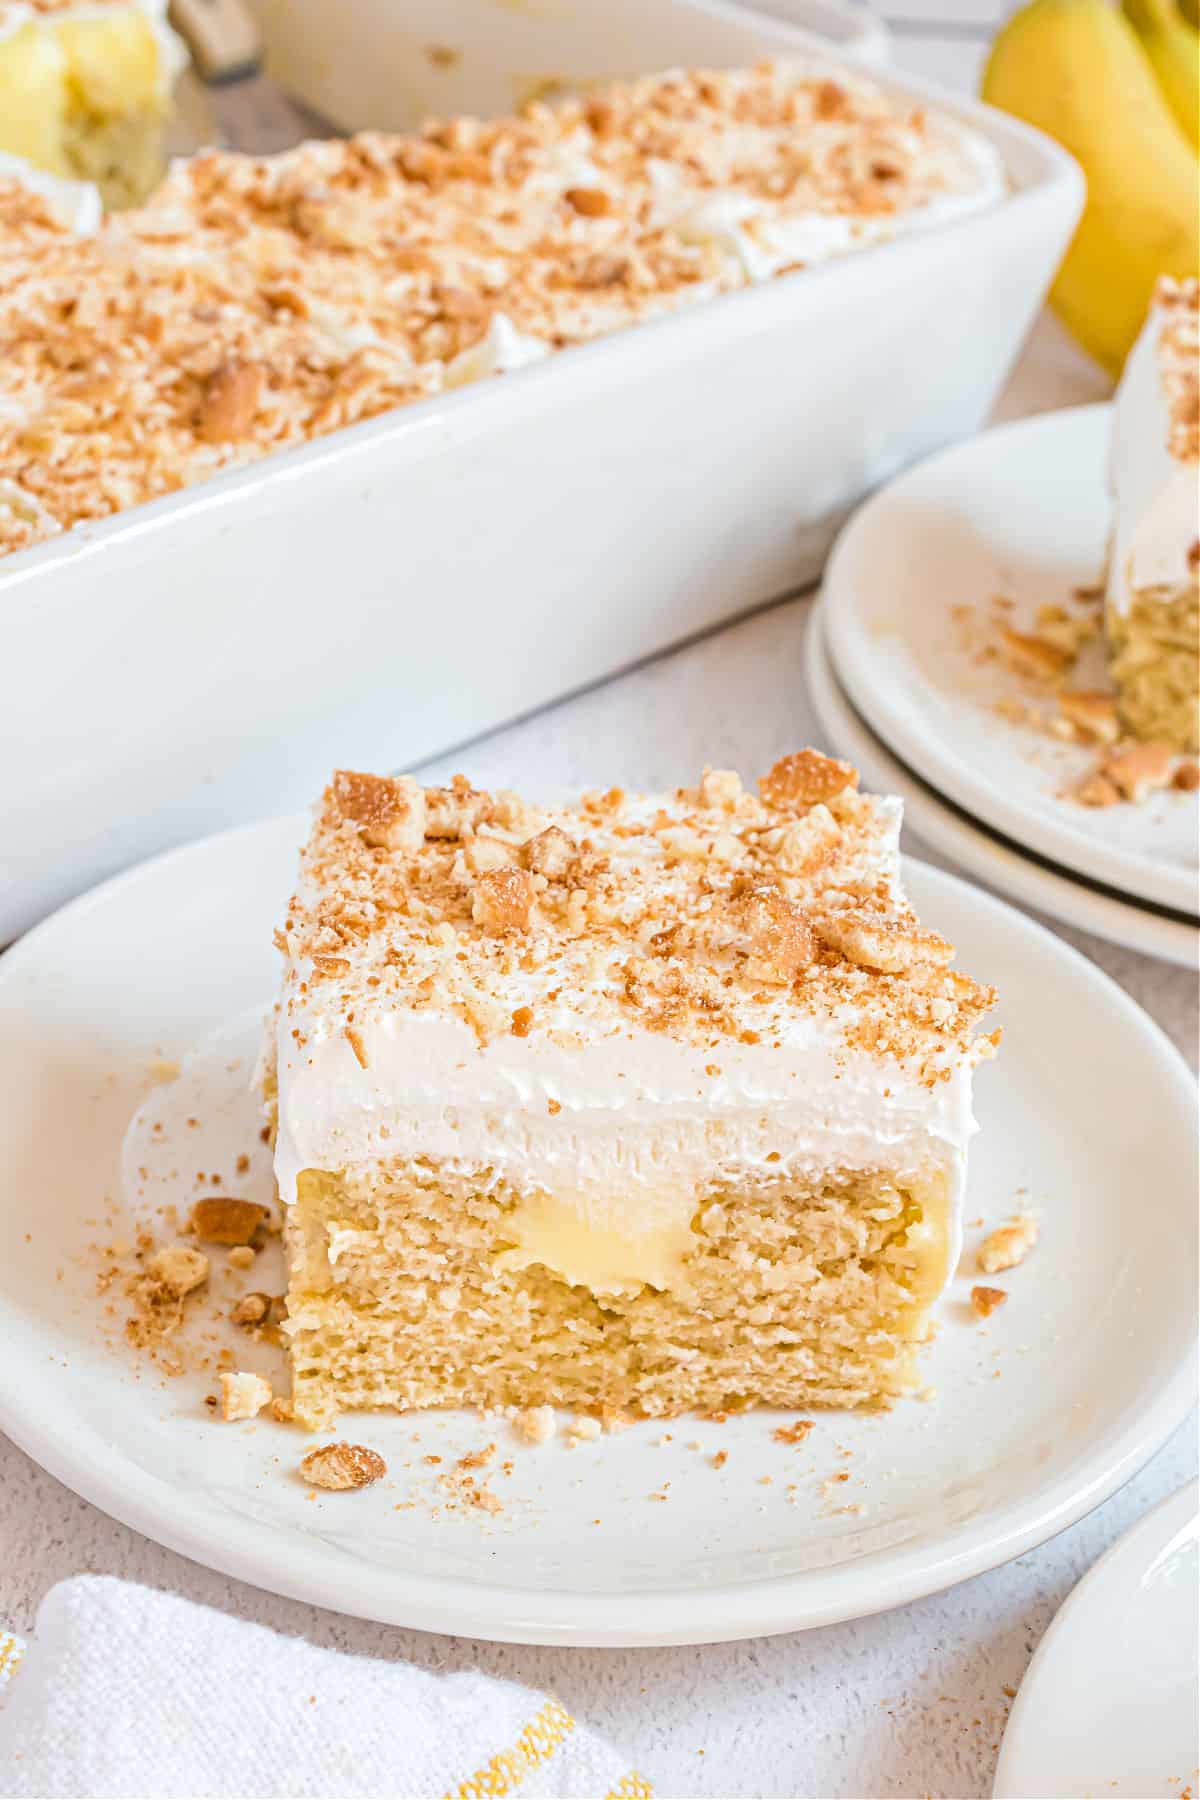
[(1173, 47), (1077, 69), (1191, 11)]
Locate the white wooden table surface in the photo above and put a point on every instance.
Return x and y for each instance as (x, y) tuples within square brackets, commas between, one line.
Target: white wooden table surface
[(909, 1703)]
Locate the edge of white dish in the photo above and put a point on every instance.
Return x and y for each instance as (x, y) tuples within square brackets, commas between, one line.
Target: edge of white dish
[(1009, 1783)]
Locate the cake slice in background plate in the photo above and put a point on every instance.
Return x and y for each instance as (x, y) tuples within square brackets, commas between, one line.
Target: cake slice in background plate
[(649, 1103), (1153, 612)]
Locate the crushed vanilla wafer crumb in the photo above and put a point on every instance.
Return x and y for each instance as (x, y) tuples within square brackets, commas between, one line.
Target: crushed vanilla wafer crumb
[(1008, 1245), (243, 1395), (340, 1467)]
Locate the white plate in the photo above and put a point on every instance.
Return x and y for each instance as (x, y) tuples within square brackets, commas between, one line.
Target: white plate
[(1110, 1705), (1021, 512), (955, 834), (1039, 1415)]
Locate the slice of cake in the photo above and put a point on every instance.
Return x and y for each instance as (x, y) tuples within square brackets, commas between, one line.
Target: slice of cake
[(85, 88), (649, 1103), (1153, 612)]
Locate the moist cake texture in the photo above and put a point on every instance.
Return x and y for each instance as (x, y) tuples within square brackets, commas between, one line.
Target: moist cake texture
[(650, 1103), (257, 303), (85, 90), (1153, 608)]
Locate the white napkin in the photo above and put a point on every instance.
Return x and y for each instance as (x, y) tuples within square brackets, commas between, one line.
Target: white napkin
[(124, 1691)]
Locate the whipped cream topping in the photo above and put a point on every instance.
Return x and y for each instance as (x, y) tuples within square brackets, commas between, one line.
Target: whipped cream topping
[(1155, 491), (612, 1127)]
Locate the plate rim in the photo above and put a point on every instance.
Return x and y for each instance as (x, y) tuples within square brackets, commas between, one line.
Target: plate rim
[(985, 855), (1137, 876), (243, 1549), (1006, 1783)]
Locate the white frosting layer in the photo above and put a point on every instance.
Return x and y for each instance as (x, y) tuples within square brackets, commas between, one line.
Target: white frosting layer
[(1155, 496)]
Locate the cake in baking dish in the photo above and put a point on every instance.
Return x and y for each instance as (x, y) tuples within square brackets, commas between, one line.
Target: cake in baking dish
[(258, 303), (646, 1103), (1153, 606), (85, 89)]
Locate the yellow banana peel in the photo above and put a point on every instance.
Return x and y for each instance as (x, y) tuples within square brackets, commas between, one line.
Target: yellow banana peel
[(1078, 71), (1173, 46)]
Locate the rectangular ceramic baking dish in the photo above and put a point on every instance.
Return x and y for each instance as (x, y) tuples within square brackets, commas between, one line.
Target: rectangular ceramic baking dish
[(391, 591), (387, 64)]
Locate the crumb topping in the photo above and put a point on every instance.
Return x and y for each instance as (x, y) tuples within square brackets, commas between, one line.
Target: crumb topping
[(987, 1300), (220, 1220), (259, 302), (710, 913), (1008, 1245), (243, 1395), (340, 1467)]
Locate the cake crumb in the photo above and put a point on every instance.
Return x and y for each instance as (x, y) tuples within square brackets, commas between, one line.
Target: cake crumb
[(1091, 713), (340, 1467), (178, 1269), (719, 1458), (1008, 1245), (1138, 770), (792, 1434), (582, 1429), (1094, 790), (986, 1300), (475, 1459), (242, 1256), (243, 1395), (536, 1424), (226, 1221), (1033, 655), (251, 1309)]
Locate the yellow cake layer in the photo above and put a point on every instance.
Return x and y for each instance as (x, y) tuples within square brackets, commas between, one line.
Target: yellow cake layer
[(1156, 665), (85, 97), (401, 1295)]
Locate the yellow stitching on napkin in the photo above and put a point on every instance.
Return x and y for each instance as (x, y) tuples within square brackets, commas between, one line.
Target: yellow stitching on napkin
[(631, 1787), (11, 1652), (505, 1772)]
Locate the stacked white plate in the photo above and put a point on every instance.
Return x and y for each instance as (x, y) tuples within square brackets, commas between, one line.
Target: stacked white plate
[(907, 686)]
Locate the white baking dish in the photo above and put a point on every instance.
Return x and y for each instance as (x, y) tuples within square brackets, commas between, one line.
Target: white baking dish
[(388, 592), (385, 65)]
